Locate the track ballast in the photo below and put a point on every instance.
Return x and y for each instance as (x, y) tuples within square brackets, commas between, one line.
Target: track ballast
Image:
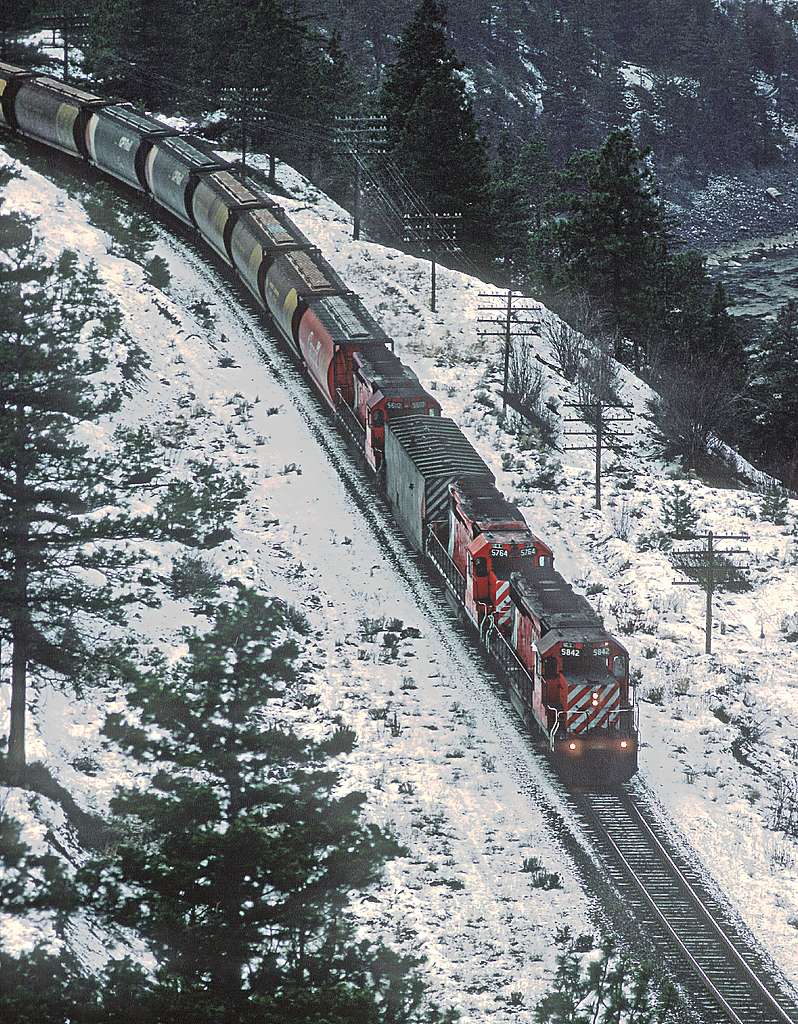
[(726, 979)]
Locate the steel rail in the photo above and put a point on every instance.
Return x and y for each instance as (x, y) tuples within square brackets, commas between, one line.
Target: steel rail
[(736, 954), (718, 995), (736, 962)]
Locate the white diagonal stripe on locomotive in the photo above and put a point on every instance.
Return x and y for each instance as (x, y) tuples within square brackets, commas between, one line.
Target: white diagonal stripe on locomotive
[(503, 604), (580, 714)]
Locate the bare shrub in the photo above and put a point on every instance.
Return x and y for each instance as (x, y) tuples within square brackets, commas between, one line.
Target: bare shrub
[(695, 407), (525, 388), (568, 345)]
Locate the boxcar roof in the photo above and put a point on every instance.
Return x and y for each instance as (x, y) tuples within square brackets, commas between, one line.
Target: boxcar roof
[(437, 447)]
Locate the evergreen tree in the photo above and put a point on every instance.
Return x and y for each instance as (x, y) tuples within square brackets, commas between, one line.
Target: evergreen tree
[(431, 125), (733, 122), (613, 237), (522, 181), (144, 50), (240, 854), (60, 564), (679, 514), (690, 323), (14, 18), (198, 511), (775, 388)]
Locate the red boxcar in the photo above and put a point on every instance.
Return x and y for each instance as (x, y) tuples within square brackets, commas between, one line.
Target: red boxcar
[(331, 330)]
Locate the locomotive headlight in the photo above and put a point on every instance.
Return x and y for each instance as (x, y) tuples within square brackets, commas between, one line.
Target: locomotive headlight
[(572, 746), (624, 744)]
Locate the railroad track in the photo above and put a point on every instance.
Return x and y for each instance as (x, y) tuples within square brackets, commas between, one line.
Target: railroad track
[(726, 979)]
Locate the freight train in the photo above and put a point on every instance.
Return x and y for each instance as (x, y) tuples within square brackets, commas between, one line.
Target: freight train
[(567, 676)]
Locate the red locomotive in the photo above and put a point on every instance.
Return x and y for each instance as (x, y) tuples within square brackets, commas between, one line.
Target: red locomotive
[(566, 675)]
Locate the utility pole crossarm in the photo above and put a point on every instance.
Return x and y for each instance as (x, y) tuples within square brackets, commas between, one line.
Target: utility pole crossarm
[(711, 569)]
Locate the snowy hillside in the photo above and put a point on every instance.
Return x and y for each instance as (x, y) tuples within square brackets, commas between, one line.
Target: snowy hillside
[(732, 718), (453, 775)]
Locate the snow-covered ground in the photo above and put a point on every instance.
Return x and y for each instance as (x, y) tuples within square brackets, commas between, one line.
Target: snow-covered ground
[(456, 780), (694, 707), (453, 776)]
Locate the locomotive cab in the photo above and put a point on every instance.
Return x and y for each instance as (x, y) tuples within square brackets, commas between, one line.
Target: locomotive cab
[(489, 540), (385, 389)]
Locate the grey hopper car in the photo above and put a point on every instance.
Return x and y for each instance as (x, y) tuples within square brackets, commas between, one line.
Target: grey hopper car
[(423, 455), (257, 238), (55, 113), (217, 201), (172, 169), (119, 139), (11, 78)]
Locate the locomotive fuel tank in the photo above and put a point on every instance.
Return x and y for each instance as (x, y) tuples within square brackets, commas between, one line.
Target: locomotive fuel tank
[(55, 113), (118, 140), (216, 202), (257, 238), (172, 169)]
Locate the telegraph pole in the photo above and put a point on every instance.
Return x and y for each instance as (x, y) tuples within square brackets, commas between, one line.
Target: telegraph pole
[(431, 232), (510, 319), (710, 569), (72, 22), (247, 104), (359, 137), (604, 436)]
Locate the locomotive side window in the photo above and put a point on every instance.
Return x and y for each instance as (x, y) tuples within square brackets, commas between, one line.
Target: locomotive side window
[(480, 567), (549, 668), (378, 418)]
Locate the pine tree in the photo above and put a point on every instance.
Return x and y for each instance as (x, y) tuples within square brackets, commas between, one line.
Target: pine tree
[(145, 50), (733, 122), (14, 17), (679, 514), (775, 506), (775, 388), (241, 855), (614, 235), (61, 563), (198, 511), (431, 124)]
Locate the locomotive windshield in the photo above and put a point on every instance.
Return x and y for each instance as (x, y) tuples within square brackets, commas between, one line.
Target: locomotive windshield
[(586, 665), (504, 563)]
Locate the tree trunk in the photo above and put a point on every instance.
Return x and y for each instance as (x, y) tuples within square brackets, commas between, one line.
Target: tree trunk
[(20, 624), (19, 687)]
